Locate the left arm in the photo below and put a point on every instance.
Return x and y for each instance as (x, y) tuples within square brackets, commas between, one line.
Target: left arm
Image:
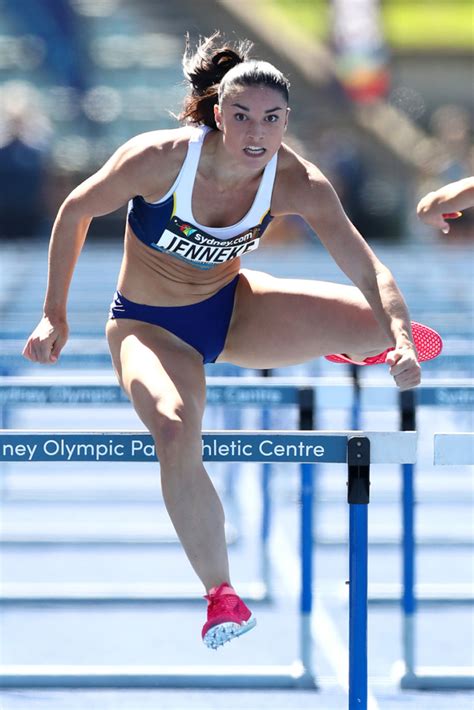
[(319, 205)]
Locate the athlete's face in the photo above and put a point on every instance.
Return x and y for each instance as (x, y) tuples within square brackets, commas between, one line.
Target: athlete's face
[(253, 121)]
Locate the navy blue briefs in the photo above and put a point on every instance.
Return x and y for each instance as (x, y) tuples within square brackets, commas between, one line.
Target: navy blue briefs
[(202, 325)]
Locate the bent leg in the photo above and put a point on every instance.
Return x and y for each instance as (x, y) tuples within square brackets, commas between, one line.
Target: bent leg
[(164, 379), (278, 322)]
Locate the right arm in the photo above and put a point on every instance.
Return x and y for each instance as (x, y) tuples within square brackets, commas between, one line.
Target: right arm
[(449, 199), (127, 173)]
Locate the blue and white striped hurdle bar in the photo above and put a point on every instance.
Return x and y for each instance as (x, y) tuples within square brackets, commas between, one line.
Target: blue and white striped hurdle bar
[(335, 392), (449, 450), (357, 449), (24, 445)]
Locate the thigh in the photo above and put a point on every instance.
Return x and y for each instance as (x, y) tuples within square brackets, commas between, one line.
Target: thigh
[(278, 322), (161, 375)]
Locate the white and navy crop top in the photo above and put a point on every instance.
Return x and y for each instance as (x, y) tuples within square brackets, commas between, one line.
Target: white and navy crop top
[(169, 226)]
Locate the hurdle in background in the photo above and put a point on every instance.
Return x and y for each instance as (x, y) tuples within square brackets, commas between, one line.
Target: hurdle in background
[(93, 352), (457, 394), (454, 679), (449, 450), (357, 449), (280, 392), (460, 395), (233, 392)]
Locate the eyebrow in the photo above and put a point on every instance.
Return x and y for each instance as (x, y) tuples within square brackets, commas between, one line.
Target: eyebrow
[(270, 110)]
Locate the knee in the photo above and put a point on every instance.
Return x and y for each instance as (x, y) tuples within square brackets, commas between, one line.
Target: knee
[(174, 437), (167, 430)]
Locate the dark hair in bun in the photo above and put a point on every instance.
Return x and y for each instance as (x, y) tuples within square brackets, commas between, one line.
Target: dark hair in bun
[(205, 69)]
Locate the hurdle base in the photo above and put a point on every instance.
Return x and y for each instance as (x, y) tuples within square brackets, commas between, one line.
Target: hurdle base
[(438, 678), (266, 677)]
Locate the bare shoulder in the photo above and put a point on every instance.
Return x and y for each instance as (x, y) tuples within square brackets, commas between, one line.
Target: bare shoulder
[(146, 165), (163, 149), (299, 184)]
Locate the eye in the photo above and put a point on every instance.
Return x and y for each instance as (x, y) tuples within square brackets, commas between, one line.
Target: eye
[(272, 118), (240, 117)]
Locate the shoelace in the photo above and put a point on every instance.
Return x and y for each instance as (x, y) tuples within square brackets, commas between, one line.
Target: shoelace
[(226, 602)]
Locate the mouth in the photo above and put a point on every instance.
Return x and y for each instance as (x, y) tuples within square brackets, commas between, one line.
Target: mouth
[(254, 151)]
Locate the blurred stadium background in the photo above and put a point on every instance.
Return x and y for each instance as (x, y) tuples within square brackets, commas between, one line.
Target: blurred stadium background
[(382, 100), (382, 95)]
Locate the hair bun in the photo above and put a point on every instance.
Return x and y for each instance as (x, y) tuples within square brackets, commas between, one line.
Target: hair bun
[(225, 60)]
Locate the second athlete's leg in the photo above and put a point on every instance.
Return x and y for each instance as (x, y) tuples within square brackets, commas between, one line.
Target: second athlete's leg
[(164, 379)]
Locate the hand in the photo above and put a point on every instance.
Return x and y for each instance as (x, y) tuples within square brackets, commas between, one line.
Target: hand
[(404, 366), (434, 214), (439, 207), (46, 341)]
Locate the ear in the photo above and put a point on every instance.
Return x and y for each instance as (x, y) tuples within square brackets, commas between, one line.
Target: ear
[(287, 115), (218, 116)]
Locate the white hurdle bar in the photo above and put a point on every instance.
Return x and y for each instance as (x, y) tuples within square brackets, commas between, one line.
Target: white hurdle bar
[(357, 449), (449, 450)]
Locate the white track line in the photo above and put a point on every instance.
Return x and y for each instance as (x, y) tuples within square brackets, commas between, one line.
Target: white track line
[(323, 629)]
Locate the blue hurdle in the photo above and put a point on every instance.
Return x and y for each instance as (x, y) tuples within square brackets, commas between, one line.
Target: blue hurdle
[(409, 599), (449, 450), (98, 391), (234, 392), (357, 449), (93, 352), (458, 394), (253, 391)]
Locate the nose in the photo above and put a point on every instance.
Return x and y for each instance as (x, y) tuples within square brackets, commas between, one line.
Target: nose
[(255, 131)]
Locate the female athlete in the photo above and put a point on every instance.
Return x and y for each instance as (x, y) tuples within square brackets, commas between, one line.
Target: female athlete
[(200, 197)]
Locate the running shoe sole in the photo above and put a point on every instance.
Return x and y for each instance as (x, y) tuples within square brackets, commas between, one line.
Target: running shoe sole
[(221, 633), (427, 341)]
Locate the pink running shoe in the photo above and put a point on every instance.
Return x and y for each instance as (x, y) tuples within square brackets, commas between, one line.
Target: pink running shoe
[(428, 345), (227, 617)]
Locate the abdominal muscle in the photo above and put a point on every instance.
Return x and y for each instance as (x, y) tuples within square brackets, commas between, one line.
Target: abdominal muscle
[(156, 279)]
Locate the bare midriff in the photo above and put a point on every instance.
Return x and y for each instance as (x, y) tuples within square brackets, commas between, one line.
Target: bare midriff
[(156, 279)]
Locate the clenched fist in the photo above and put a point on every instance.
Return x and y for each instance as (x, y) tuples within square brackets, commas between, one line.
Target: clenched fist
[(46, 341)]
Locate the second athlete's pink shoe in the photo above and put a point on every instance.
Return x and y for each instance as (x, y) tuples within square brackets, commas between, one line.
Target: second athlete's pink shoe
[(427, 341), (227, 617)]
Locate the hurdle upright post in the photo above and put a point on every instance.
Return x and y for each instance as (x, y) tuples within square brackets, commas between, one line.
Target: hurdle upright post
[(358, 489), (306, 423), (408, 423), (356, 398), (455, 450), (266, 504)]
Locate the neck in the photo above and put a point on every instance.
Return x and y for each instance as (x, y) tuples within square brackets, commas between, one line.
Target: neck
[(218, 165)]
